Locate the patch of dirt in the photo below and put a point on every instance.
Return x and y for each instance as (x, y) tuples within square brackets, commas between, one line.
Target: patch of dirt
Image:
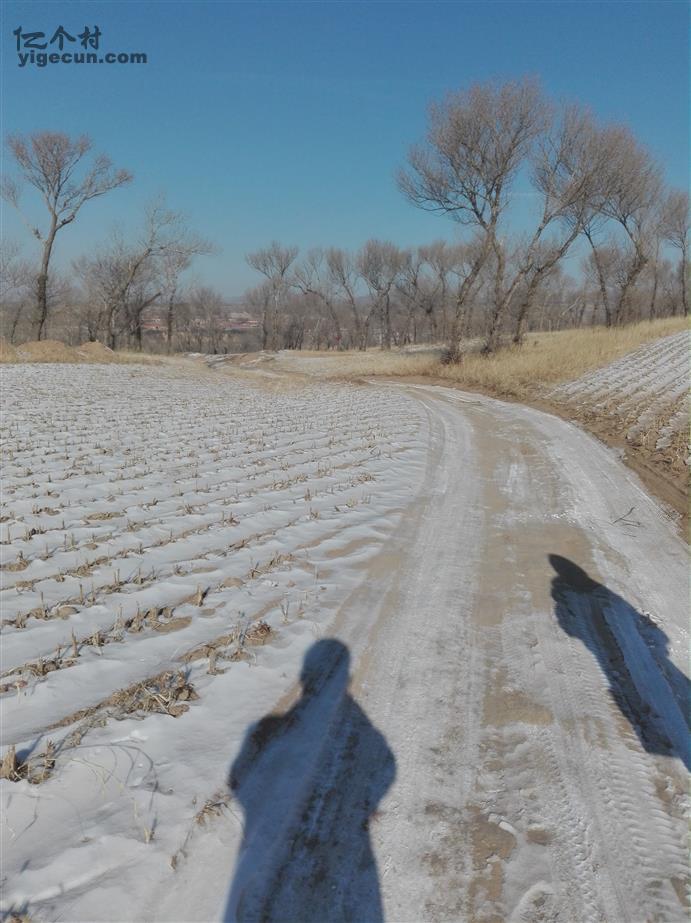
[(491, 846), (504, 705)]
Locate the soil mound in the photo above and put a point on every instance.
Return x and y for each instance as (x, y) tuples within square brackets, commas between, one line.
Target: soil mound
[(96, 352), (56, 351)]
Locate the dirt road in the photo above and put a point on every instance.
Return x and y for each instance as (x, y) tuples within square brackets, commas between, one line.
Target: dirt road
[(512, 743)]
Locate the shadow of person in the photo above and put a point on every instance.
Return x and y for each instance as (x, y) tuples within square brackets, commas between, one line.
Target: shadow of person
[(309, 781), (632, 651)]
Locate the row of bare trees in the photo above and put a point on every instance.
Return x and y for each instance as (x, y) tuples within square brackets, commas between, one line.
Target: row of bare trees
[(383, 295), (121, 279), (485, 149), (125, 277), (528, 184)]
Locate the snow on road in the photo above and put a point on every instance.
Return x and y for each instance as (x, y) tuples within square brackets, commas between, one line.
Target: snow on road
[(509, 604)]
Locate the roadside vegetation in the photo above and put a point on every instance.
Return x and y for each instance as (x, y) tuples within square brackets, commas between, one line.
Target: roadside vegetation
[(515, 372), (549, 358)]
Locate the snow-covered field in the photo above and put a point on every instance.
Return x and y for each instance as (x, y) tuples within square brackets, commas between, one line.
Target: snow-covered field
[(645, 392), (461, 625), (171, 545)]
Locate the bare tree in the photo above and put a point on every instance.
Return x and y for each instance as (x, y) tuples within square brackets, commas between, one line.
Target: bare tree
[(379, 263), (127, 278), (54, 164), (104, 280), (173, 261), (314, 277), (632, 189), (675, 229), (442, 258), (476, 142), (344, 277), (567, 169), (15, 285), (274, 262), (423, 283), (411, 285), (206, 306), (259, 301)]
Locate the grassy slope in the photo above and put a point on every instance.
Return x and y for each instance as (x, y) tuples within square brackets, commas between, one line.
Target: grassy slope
[(545, 359)]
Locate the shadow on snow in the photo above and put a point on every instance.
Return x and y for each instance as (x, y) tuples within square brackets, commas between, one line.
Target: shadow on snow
[(309, 782)]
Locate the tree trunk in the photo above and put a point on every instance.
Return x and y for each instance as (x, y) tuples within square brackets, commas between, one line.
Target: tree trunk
[(274, 323), (601, 280), (387, 322), (524, 308), (623, 302), (138, 332), (534, 284), (112, 333), (653, 298), (500, 302), (364, 334), (684, 271), (169, 322), (265, 327), (15, 322), (42, 281), (138, 315), (356, 320), (433, 327), (459, 321)]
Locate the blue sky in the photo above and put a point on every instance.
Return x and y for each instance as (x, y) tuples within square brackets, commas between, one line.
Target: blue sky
[(287, 120)]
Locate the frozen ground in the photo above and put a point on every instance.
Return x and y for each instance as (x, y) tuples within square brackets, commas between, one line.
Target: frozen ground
[(645, 392), (511, 744)]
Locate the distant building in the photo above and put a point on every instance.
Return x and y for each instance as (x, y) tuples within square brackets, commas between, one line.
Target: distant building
[(230, 322)]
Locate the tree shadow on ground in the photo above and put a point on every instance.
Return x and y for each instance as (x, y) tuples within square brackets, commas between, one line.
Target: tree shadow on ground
[(309, 782), (632, 652)]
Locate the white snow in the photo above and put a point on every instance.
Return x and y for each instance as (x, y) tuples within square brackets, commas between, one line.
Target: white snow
[(128, 489), (640, 389), (156, 512)]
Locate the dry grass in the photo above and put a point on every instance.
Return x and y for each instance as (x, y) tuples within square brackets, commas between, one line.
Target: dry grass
[(550, 358), (544, 359), (355, 364), (56, 351), (7, 351), (46, 351)]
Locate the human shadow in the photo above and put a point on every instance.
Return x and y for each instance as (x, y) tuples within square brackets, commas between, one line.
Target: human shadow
[(309, 781), (633, 653)]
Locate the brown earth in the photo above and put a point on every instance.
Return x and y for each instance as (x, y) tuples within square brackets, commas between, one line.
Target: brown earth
[(97, 352)]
